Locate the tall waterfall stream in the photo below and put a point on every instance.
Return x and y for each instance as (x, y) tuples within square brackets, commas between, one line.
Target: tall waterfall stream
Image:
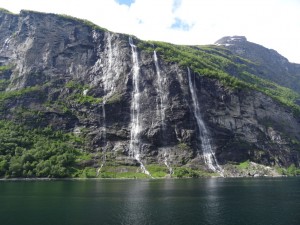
[(208, 154)]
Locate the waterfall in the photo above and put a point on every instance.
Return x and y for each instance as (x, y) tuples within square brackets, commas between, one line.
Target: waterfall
[(208, 154), (104, 132), (167, 163), (85, 92), (108, 88), (99, 170), (108, 79), (6, 43), (162, 94), (134, 148), (162, 105)]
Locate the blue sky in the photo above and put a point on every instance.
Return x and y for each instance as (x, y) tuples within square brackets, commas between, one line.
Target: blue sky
[(125, 2), (181, 25), (272, 23)]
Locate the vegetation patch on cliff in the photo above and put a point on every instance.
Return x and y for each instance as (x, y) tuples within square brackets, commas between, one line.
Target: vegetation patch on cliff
[(37, 153), (5, 11), (79, 93), (85, 22)]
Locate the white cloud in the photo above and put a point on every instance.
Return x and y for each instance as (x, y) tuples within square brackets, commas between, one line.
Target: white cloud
[(272, 23)]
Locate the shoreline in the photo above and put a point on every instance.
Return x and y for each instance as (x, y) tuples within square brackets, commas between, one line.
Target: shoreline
[(175, 178)]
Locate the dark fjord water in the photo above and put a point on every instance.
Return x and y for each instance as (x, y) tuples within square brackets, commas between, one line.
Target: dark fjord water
[(265, 201)]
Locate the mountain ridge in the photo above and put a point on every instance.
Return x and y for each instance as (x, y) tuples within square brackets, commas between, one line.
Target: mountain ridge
[(271, 65)]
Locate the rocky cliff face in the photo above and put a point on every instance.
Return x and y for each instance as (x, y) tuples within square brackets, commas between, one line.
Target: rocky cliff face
[(130, 105)]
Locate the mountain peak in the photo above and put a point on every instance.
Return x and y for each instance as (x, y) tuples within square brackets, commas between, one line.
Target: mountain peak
[(231, 40)]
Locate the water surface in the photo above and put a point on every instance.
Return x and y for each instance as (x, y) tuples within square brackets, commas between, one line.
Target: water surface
[(215, 201)]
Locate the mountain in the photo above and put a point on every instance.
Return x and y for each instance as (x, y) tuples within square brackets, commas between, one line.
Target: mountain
[(77, 100), (269, 64)]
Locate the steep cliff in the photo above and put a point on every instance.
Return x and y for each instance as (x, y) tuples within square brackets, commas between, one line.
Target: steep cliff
[(138, 108)]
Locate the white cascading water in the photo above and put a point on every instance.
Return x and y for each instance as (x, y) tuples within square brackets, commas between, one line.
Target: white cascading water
[(107, 88), (99, 170), (134, 148), (162, 106), (85, 92), (107, 83), (6, 43), (161, 92), (167, 163), (104, 133), (108, 79), (208, 154)]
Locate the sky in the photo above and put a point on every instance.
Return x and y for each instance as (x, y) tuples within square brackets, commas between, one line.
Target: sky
[(272, 23)]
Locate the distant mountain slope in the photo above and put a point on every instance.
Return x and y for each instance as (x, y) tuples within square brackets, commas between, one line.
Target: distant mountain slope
[(269, 64)]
